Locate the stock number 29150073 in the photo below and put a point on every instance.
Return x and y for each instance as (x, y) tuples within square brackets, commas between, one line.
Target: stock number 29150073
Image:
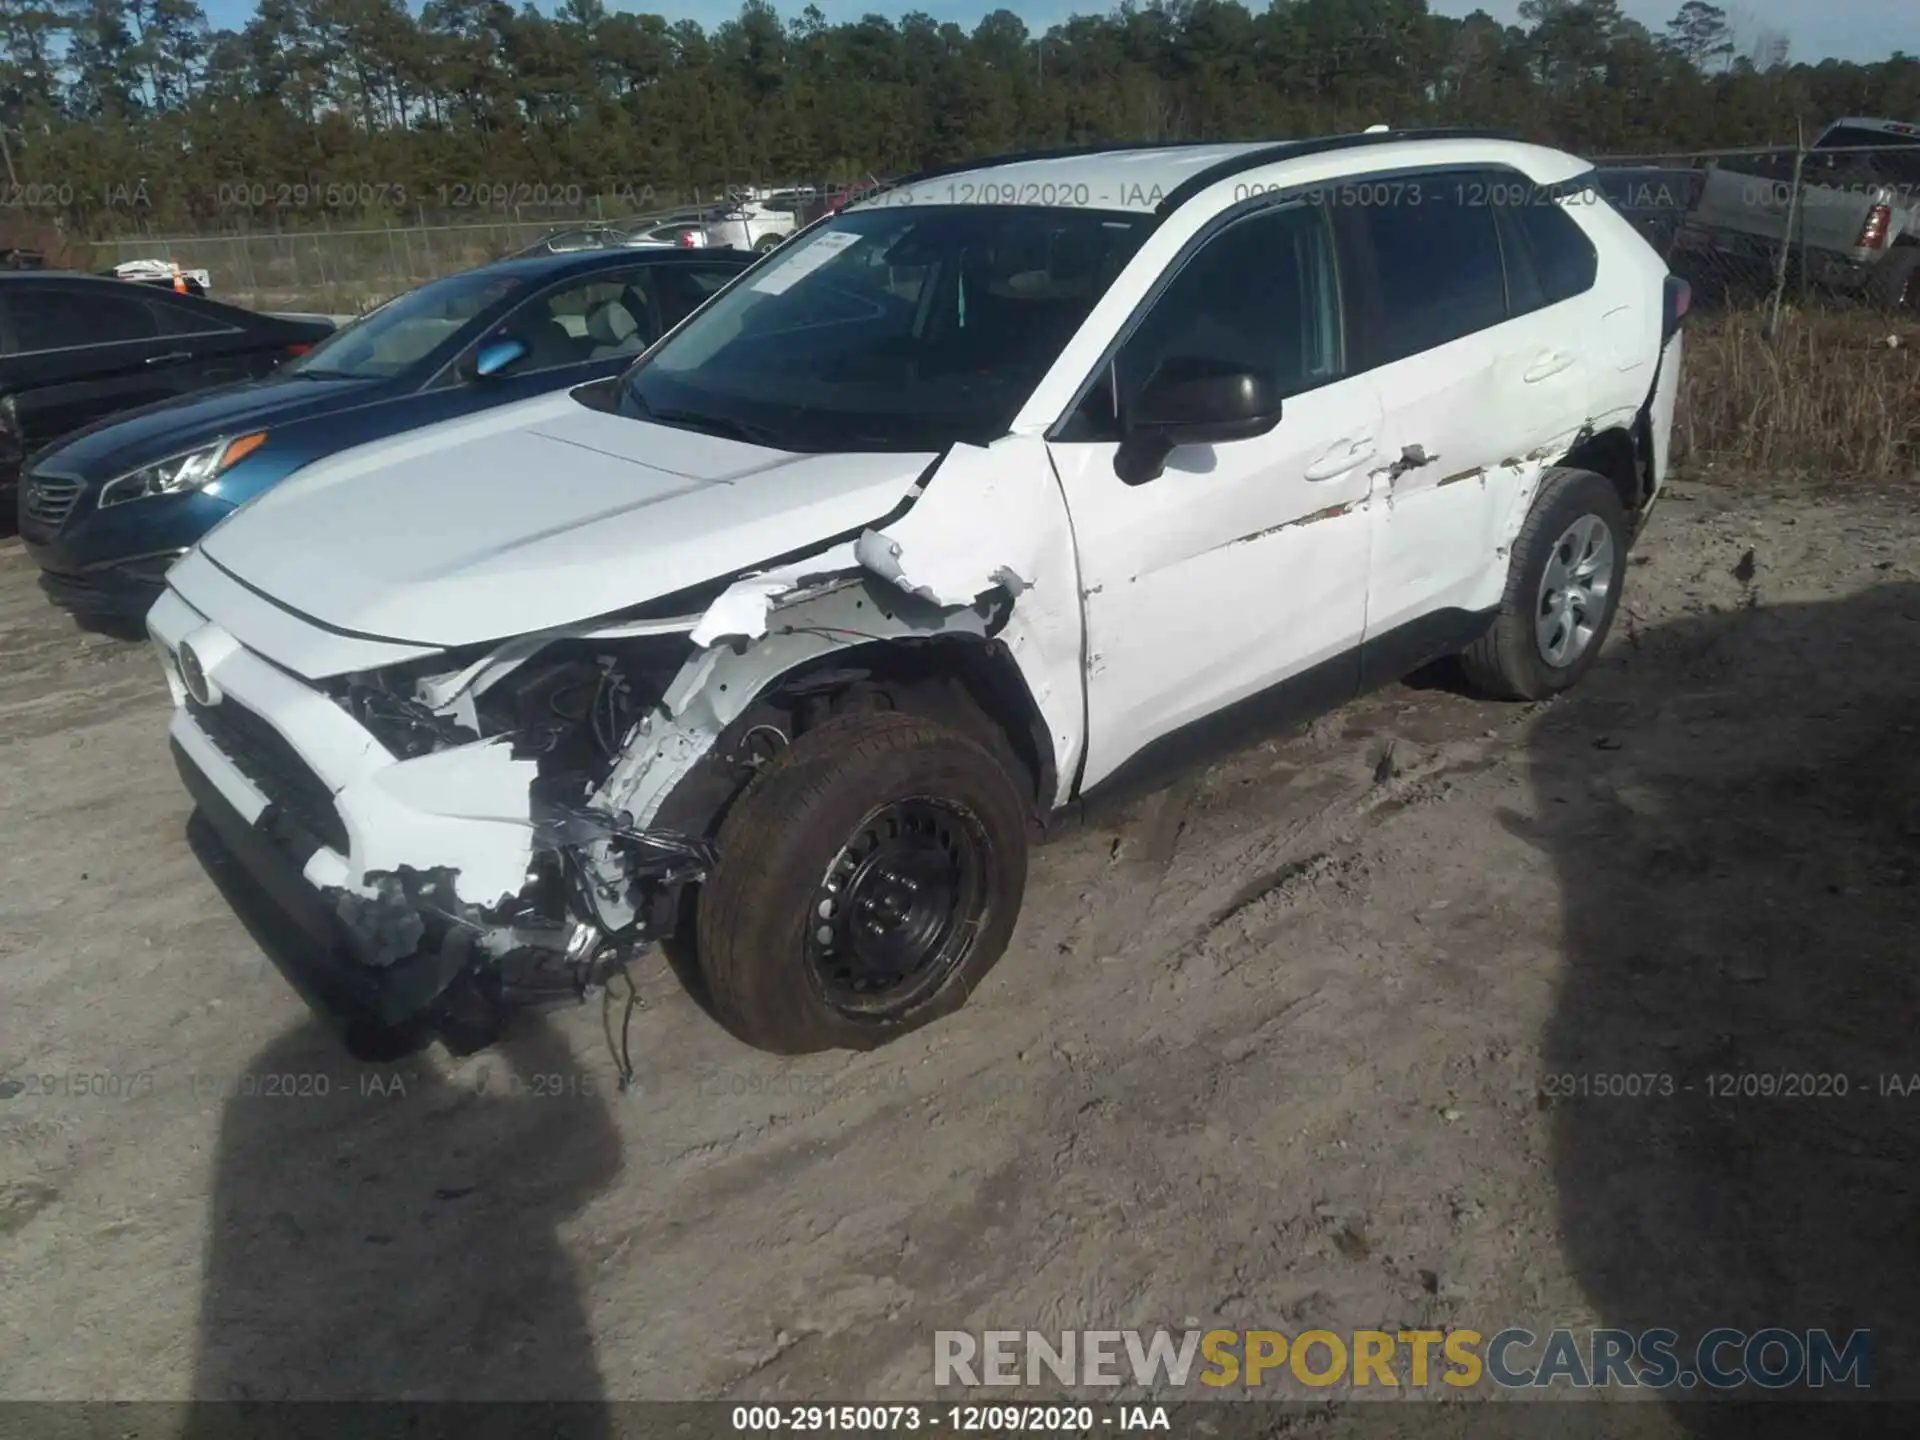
[(963, 1418)]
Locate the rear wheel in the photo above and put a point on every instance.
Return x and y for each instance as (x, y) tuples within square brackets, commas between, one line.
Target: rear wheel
[(768, 242), (868, 879), (1563, 589)]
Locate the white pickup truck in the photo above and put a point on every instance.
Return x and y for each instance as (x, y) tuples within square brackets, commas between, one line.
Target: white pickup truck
[(1858, 218)]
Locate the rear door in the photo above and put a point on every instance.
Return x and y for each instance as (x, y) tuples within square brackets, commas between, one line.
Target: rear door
[(213, 345), (1474, 380), (78, 353)]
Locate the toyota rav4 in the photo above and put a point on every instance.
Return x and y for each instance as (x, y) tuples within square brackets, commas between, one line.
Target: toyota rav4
[(1002, 488)]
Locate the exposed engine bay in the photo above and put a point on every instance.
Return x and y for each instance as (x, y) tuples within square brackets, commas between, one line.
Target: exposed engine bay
[(509, 823), (596, 887)]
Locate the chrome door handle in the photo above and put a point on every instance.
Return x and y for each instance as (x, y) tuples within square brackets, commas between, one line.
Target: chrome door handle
[(1548, 365), (171, 355), (1348, 455)]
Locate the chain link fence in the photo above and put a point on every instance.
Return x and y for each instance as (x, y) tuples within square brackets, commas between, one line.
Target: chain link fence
[(1804, 353), (1835, 227), (1831, 226), (337, 269)]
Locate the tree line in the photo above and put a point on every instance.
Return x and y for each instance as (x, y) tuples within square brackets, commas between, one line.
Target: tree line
[(120, 114)]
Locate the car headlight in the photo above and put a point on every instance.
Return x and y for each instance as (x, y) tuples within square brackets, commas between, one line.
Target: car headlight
[(178, 474)]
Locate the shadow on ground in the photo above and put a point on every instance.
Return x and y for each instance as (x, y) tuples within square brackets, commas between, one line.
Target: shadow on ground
[(381, 1233), (1734, 813)]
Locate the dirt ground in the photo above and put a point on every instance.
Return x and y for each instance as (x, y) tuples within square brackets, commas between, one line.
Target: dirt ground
[(1278, 1051)]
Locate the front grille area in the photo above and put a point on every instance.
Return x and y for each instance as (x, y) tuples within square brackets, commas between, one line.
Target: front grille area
[(48, 499), (262, 754)]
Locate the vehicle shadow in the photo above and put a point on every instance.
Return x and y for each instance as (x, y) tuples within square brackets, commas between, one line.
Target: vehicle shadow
[(1733, 806), (114, 627), (379, 1231)]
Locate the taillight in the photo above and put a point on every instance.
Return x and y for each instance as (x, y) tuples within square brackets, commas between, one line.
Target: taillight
[(1873, 234), (299, 347), (1679, 300)]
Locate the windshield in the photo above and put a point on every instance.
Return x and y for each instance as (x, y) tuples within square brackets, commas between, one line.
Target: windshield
[(890, 328), (405, 330)]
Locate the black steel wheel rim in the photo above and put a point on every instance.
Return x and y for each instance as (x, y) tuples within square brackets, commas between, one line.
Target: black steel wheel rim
[(899, 907)]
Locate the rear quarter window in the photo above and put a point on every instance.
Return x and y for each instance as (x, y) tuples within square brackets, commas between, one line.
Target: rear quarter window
[(1550, 246), (186, 320)]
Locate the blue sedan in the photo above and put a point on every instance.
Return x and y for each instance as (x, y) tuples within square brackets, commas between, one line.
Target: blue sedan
[(117, 503)]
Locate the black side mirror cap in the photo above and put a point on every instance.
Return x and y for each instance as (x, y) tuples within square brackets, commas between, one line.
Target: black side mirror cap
[(1190, 400)]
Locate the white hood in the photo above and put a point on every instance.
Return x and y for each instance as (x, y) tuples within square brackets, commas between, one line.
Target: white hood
[(536, 515)]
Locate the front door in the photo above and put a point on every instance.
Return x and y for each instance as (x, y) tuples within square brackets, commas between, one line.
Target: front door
[(1241, 571)]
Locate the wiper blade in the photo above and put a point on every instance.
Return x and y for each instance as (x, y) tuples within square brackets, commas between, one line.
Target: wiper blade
[(720, 425)]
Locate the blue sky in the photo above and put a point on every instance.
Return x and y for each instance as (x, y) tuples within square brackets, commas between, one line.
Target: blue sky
[(1846, 29)]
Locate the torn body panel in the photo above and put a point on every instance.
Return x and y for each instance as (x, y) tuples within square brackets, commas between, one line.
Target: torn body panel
[(995, 520), (463, 831), (498, 809), (985, 551), (720, 684), (1666, 394)]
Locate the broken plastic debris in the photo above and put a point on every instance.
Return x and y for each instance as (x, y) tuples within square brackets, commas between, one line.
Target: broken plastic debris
[(975, 529), (741, 609), (946, 579)]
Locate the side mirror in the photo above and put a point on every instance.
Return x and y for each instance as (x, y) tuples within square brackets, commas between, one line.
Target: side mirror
[(497, 355), (1192, 401)]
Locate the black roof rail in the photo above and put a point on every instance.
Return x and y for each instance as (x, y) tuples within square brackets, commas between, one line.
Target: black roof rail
[(1293, 149), (1277, 150)]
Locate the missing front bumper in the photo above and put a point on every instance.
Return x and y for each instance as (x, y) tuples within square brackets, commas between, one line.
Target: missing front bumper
[(299, 930)]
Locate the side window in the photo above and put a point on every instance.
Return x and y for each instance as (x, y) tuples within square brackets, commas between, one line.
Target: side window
[(183, 320), (1552, 250), (1262, 294), (1432, 249), (682, 289), (58, 319), (609, 315)]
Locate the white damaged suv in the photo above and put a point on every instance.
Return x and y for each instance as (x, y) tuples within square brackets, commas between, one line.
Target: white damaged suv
[(998, 490)]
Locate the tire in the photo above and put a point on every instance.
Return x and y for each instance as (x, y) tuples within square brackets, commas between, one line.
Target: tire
[(1895, 284), (1511, 661), (772, 976), (768, 242)]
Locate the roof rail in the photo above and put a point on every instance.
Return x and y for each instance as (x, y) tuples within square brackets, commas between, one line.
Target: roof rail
[(1064, 152), (1278, 150), (1293, 149)]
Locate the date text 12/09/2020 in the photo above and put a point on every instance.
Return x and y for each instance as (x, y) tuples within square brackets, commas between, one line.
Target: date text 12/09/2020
[(960, 1419), (1728, 1085)]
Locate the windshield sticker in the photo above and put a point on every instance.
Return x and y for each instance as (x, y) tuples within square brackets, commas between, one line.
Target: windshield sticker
[(823, 249)]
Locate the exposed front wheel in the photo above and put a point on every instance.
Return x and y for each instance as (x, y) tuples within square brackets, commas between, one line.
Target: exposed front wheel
[(1563, 589), (768, 242), (868, 879)]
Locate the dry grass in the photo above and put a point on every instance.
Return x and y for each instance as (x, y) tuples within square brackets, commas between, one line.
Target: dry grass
[(1835, 394)]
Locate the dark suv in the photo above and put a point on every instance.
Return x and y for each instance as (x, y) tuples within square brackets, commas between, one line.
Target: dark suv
[(77, 348)]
